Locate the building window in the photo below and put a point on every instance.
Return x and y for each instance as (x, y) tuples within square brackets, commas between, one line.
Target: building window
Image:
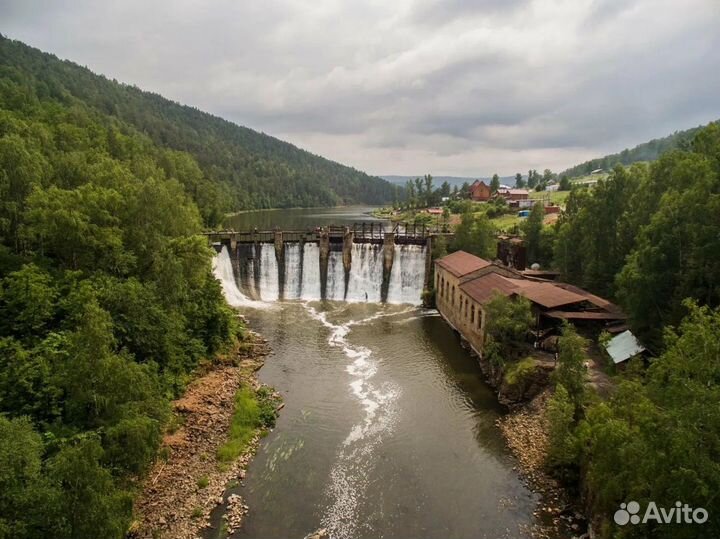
[(452, 296), (472, 314)]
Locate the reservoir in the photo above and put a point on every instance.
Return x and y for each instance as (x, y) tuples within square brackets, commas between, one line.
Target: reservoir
[(388, 429)]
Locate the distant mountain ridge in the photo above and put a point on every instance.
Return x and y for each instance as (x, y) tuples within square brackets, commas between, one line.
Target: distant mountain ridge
[(647, 151), (452, 180), (261, 171)]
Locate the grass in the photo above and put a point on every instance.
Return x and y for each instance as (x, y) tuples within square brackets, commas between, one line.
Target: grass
[(506, 222), (197, 512), (557, 197), (245, 420), (518, 371), (253, 411), (203, 482)]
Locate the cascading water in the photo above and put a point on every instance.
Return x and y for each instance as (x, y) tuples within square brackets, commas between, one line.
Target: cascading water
[(366, 273), (269, 288), (293, 271), (310, 289), (301, 277), (223, 271), (407, 275)]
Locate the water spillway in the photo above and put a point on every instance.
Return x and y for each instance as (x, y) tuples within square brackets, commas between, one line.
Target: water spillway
[(358, 273)]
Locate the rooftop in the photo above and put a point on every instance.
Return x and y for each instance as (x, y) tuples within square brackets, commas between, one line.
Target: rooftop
[(483, 288), (461, 263)]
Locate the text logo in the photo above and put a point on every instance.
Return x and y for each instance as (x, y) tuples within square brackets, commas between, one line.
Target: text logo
[(629, 513)]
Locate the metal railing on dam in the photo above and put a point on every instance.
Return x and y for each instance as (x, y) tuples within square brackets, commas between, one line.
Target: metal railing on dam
[(376, 233)]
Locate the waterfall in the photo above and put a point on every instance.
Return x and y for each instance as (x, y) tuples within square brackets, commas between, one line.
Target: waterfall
[(269, 288), (366, 273), (335, 277), (310, 287), (293, 271), (259, 273), (223, 271), (408, 275)]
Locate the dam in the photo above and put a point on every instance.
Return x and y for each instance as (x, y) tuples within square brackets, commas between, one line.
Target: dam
[(354, 263)]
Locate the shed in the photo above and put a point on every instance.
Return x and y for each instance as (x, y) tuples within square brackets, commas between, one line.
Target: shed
[(624, 346)]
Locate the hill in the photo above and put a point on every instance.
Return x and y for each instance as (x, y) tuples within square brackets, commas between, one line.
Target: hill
[(254, 169), (648, 151), (452, 180)]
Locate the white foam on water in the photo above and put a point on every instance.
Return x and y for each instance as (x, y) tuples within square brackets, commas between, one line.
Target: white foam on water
[(349, 475), (223, 271)]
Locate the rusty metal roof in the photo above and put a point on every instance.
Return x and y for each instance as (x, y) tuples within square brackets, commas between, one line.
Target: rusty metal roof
[(592, 298), (547, 295), (461, 263), (482, 288), (585, 315)]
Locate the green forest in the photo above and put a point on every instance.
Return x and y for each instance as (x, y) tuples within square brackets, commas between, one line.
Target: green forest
[(107, 301), (649, 237), (647, 151), (233, 167)]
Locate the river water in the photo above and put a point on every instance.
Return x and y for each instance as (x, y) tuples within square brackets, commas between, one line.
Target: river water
[(388, 429)]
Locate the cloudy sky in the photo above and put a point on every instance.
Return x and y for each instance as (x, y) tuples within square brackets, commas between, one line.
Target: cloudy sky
[(458, 87)]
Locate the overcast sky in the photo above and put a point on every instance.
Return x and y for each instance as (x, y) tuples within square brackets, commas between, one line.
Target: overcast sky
[(453, 87)]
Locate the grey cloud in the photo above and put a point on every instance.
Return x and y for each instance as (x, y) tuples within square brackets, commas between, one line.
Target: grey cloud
[(459, 86)]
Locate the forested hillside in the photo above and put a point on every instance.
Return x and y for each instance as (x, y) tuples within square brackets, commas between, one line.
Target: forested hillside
[(239, 168), (648, 151), (107, 301)]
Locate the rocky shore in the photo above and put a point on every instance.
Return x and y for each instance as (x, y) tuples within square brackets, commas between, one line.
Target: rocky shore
[(525, 431), (187, 481)]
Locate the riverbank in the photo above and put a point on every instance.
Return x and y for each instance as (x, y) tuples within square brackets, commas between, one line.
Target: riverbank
[(190, 475), (525, 430)]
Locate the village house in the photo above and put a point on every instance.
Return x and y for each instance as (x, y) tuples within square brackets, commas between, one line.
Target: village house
[(464, 283), (480, 191), (511, 195)]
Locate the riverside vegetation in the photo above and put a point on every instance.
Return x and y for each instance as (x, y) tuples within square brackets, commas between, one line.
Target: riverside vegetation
[(108, 306), (649, 237)]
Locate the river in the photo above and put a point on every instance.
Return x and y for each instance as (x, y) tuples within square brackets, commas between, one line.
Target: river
[(388, 428)]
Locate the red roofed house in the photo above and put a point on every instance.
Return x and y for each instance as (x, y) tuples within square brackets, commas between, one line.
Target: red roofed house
[(464, 283), (480, 192)]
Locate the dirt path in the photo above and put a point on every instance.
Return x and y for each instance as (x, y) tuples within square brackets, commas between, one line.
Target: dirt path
[(187, 482)]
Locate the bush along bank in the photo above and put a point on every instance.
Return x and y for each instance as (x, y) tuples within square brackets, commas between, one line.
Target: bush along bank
[(218, 423)]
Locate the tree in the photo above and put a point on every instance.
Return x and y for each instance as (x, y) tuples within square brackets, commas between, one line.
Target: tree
[(565, 184), (532, 230), (532, 179), (571, 372), (445, 189), (507, 326), (495, 183), (519, 182), (475, 235), (428, 181)]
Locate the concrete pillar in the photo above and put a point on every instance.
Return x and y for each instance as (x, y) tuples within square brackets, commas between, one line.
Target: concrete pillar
[(280, 257), (233, 245), (348, 238), (428, 284), (324, 257), (388, 257)]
